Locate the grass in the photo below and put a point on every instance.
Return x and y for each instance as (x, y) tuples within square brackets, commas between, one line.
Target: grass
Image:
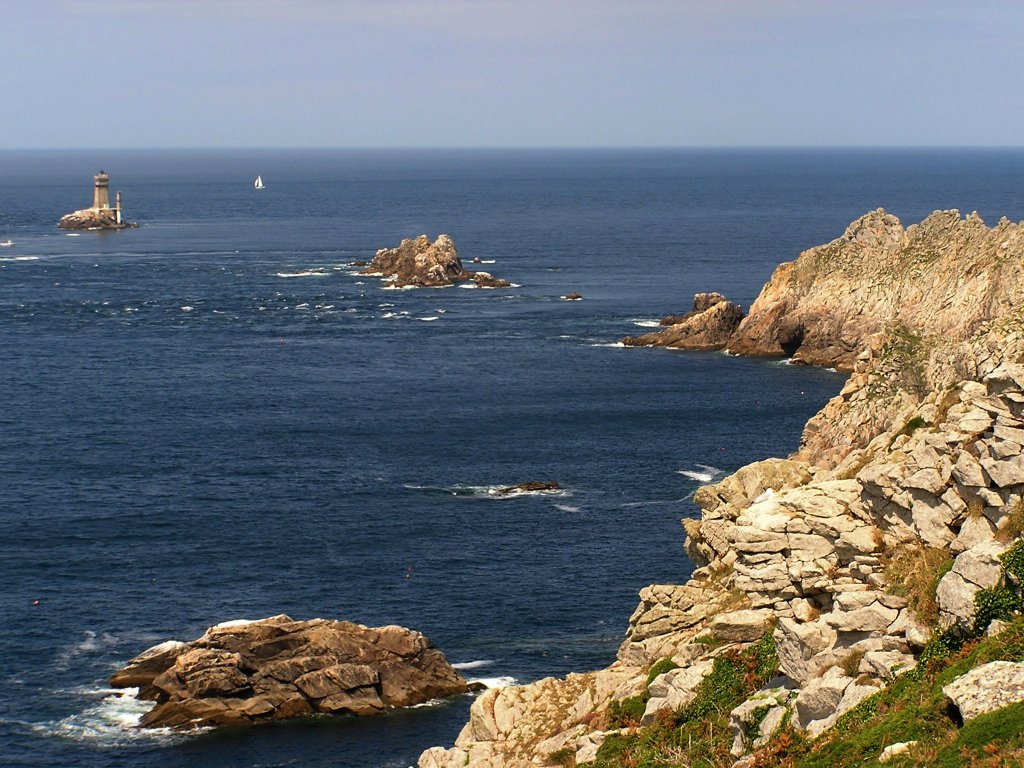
[(698, 735), (913, 572)]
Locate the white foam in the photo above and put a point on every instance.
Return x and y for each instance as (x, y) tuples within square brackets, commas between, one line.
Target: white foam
[(426, 319), (704, 473), (20, 258), (305, 273), (72, 234), (186, 308), (112, 722), (473, 664), (647, 323), (494, 682), (566, 508), (613, 345), (400, 287), (233, 623)]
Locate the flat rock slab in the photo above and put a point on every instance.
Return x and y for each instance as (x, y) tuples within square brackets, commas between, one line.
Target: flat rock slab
[(987, 688), (244, 672)]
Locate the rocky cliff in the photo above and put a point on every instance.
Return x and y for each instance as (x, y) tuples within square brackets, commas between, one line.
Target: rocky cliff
[(419, 262), (823, 576)]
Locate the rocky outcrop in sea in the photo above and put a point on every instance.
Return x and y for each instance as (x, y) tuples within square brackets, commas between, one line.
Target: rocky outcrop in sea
[(824, 576), (709, 325), (245, 672), (419, 262), (93, 218)]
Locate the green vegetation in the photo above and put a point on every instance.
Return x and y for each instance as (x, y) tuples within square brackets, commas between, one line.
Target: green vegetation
[(698, 735), (912, 708), (913, 572)]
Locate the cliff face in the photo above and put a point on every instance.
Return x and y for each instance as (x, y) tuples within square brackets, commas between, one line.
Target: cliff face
[(916, 462), (945, 276)]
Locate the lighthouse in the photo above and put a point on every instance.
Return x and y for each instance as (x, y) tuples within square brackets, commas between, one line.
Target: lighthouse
[(101, 215), (101, 191)]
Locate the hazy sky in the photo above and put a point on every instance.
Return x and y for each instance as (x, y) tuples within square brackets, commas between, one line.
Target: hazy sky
[(372, 73)]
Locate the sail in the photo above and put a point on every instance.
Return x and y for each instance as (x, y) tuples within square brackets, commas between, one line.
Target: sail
[(258, 183)]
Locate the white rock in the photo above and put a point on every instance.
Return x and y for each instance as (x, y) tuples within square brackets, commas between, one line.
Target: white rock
[(987, 688), (899, 748)]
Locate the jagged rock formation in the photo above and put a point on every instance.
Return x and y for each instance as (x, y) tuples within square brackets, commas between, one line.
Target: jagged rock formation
[(276, 668), (915, 467), (946, 275), (987, 688), (93, 218), (421, 263), (710, 325)]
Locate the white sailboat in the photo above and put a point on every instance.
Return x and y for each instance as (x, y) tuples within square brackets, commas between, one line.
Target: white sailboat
[(258, 183)]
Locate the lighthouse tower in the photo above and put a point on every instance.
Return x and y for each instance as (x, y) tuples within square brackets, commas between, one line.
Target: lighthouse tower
[(101, 191)]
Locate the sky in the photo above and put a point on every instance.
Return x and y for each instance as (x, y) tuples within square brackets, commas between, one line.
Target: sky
[(510, 73)]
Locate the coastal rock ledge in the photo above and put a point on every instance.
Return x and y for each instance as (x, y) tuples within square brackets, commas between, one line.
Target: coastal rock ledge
[(242, 672), (425, 264)]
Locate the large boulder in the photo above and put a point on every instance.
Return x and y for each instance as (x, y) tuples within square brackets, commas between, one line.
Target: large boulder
[(419, 262), (987, 688), (254, 671)]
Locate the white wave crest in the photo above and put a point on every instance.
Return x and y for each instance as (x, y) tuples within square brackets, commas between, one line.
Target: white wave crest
[(426, 319), (613, 345), (306, 273), (566, 508), (186, 308), (20, 258), (473, 664), (647, 323)]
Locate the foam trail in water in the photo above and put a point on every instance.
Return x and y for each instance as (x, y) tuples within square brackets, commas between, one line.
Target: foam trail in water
[(306, 273), (112, 722)]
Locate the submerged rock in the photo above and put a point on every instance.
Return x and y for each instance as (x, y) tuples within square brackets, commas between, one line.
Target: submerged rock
[(421, 263), (244, 672), (532, 486)]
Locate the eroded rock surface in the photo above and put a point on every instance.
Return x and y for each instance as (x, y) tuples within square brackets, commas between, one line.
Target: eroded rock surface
[(419, 262), (276, 668)]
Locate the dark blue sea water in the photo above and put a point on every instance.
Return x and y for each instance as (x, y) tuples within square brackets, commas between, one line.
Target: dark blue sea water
[(214, 417)]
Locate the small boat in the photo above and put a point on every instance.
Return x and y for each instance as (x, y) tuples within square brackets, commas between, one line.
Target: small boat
[(258, 183), (6, 244)]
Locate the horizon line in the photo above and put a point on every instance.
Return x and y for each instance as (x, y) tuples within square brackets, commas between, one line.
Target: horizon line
[(519, 148)]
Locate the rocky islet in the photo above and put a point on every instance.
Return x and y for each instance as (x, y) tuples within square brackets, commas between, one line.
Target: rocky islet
[(244, 672)]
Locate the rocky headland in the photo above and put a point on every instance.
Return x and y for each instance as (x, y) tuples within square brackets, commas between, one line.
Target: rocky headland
[(855, 582), (421, 263), (245, 672)]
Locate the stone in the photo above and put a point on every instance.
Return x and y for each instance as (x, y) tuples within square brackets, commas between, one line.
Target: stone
[(256, 671), (745, 737), (742, 626), (419, 262), (977, 568), (894, 750), (674, 689), (987, 688), (798, 643)]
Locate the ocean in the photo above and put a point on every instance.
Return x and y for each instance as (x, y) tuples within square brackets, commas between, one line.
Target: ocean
[(215, 416)]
